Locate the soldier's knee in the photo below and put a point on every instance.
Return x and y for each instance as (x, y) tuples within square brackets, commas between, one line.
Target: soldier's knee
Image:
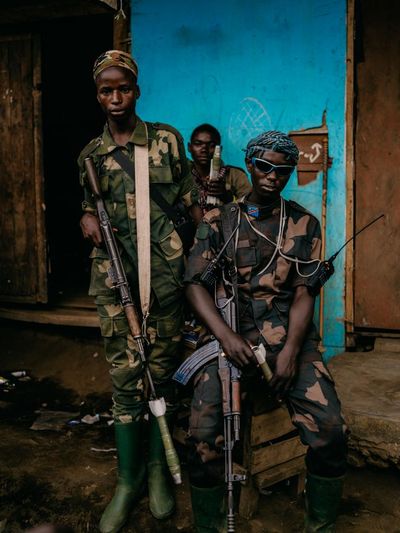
[(328, 452), (209, 436), (332, 437), (205, 463)]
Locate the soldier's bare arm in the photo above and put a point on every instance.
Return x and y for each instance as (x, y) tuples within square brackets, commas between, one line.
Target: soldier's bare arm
[(232, 344), (300, 316)]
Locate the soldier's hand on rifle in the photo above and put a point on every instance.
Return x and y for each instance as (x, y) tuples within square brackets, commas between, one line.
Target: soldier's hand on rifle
[(285, 370), (216, 187), (91, 229), (237, 349)]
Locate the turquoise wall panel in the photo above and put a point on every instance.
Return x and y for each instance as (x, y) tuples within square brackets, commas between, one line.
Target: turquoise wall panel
[(247, 67)]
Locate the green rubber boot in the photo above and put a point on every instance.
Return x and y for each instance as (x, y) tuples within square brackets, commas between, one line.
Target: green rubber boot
[(161, 497), (209, 510), (322, 502), (131, 476)]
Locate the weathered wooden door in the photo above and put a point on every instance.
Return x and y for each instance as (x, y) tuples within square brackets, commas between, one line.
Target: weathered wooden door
[(377, 272), (23, 272)]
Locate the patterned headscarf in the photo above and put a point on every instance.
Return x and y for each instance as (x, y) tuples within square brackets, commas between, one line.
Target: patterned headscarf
[(275, 141), (114, 58)]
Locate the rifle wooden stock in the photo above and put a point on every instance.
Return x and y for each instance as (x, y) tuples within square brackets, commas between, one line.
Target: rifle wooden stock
[(92, 178), (133, 320)]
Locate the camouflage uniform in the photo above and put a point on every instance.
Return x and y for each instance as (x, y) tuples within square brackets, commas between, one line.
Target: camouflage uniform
[(264, 303), (237, 184), (168, 168)]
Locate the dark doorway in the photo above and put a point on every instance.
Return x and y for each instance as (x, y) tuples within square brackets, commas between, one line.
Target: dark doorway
[(71, 118)]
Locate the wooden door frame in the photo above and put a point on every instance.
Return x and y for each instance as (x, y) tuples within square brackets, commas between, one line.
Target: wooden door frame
[(350, 174), (121, 40), (41, 236)]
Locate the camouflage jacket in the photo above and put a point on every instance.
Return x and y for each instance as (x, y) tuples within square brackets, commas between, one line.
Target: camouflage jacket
[(264, 297), (236, 182), (168, 168)]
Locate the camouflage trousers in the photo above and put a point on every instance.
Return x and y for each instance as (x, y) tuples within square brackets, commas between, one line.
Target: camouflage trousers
[(127, 372), (315, 411)]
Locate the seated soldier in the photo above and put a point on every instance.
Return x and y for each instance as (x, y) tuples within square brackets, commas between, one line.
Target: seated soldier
[(277, 248), (232, 183)]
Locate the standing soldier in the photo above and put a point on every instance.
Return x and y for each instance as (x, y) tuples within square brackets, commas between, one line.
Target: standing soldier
[(232, 183), (276, 250), (115, 74)]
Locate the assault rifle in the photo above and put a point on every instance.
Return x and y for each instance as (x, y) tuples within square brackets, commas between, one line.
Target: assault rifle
[(229, 376), (117, 274)]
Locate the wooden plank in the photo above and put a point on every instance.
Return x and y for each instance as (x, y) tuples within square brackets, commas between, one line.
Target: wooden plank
[(280, 472), (349, 257), (270, 426), (21, 11), (57, 316), (276, 454), (377, 183), (23, 275), (41, 292), (17, 190)]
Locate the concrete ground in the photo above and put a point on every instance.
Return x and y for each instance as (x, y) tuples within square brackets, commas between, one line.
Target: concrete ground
[(368, 384), (67, 475)]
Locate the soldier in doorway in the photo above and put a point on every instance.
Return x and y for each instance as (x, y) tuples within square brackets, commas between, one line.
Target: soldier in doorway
[(232, 183), (276, 250), (115, 74)]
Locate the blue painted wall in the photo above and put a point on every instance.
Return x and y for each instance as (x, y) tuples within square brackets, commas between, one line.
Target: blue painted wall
[(247, 67)]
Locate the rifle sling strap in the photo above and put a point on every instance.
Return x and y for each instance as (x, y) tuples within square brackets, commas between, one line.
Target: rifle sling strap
[(127, 165), (140, 172)]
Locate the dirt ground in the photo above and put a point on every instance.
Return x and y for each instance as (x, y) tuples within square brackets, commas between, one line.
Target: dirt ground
[(67, 475)]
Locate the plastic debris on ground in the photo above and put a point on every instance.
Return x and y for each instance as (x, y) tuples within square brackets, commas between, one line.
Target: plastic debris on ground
[(52, 420), (89, 419), (10, 379)]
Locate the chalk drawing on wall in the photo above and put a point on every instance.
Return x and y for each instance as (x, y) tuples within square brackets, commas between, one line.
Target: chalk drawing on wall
[(316, 152), (251, 119)]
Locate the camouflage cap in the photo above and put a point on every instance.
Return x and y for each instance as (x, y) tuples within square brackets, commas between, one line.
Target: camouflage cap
[(114, 58)]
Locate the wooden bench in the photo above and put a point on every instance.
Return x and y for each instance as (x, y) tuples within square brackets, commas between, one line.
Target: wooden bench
[(272, 452)]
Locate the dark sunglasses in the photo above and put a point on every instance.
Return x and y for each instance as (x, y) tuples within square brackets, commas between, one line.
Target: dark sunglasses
[(266, 167)]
